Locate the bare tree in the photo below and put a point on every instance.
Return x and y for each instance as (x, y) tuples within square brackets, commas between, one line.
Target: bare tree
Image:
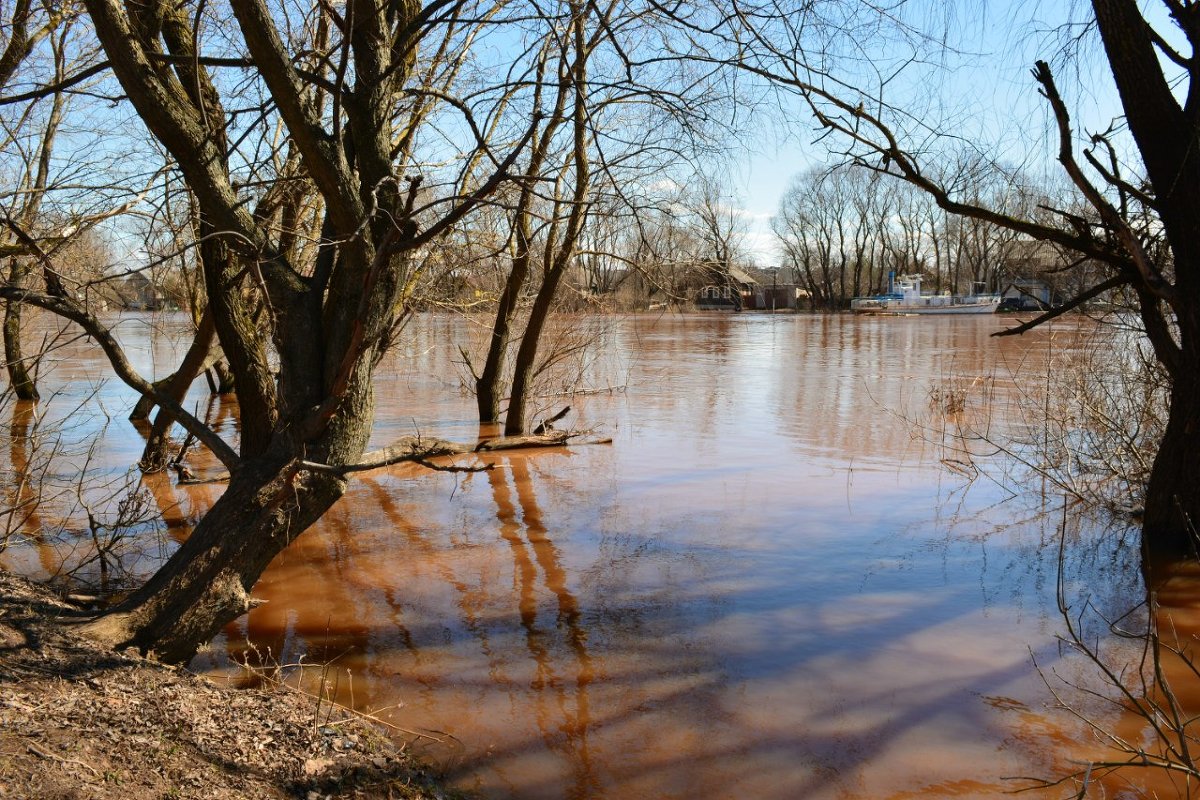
[(557, 109), (352, 110), (719, 231), (616, 119), (836, 231)]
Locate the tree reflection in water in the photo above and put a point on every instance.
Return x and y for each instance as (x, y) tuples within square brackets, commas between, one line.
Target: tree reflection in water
[(768, 586)]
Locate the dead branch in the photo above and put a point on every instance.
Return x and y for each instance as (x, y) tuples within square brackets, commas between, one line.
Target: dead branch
[(548, 424), (410, 448), (427, 464), (547, 439), (1075, 302), (1146, 267), (419, 450)]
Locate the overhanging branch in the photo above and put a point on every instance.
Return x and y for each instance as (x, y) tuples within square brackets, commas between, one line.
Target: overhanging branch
[(69, 309), (1145, 266), (1073, 303)]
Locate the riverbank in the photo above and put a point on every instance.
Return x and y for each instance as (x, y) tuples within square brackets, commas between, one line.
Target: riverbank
[(78, 722)]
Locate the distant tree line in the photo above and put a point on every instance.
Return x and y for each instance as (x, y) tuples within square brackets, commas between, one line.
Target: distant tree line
[(842, 229)]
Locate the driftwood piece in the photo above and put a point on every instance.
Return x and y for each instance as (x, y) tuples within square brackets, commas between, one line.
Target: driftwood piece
[(196, 480), (550, 438), (420, 449)]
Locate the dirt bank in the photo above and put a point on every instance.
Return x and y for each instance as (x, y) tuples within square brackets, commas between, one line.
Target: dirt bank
[(78, 722)]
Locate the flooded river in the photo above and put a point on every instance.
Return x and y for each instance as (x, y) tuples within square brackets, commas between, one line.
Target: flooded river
[(780, 580)]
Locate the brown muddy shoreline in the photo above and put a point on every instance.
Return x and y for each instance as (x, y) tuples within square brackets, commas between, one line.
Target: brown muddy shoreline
[(80, 722)]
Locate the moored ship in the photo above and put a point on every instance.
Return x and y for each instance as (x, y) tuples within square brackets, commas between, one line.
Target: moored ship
[(904, 297)]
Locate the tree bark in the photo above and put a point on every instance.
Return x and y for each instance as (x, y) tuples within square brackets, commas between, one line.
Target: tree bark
[(18, 372), (1172, 514), (207, 581), (488, 387), (154, 456), (526, 360)]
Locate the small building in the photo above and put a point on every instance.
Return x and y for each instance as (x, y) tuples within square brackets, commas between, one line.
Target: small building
[(776, 290), (732, 291), (138, 293), (1026, 294)]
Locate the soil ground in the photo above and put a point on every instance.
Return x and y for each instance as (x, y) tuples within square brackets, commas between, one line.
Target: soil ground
[(79, 722)]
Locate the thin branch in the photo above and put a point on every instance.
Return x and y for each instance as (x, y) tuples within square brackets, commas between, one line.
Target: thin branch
[(68, 308), (1149, 272), (55, 88)]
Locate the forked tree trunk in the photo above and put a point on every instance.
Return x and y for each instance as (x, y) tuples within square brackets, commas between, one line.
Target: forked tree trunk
[(489, 386), (313, 402), (523, 367)]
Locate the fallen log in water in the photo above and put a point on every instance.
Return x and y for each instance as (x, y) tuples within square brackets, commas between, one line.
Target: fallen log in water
[(419, 449), (550, 438)]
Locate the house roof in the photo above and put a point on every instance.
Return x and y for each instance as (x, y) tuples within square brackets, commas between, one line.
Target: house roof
[(741, 277)]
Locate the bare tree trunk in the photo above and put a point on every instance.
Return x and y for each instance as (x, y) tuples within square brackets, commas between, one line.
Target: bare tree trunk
[(1171, 526), (18, 373), (488, 388), (146, 403), (523, 366), (305, 417), (207, 581), (154, 456)]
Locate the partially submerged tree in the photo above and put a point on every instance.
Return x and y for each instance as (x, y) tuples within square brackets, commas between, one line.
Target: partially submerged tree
[(615, 120), (354, 110), (719, 232), (551, 103)]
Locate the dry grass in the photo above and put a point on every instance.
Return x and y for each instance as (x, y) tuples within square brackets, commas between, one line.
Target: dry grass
[(78, 721)]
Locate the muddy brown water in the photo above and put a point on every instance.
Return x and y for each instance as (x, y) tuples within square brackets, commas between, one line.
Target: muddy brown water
[(776, 581)]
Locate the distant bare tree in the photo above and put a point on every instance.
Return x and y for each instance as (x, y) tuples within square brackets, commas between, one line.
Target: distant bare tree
[(834, 228)]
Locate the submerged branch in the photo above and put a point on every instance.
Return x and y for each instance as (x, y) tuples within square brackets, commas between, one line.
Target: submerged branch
[(66, 307), (419, 449)]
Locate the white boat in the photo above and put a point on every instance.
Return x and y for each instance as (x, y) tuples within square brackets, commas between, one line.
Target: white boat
[(904, 297)]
